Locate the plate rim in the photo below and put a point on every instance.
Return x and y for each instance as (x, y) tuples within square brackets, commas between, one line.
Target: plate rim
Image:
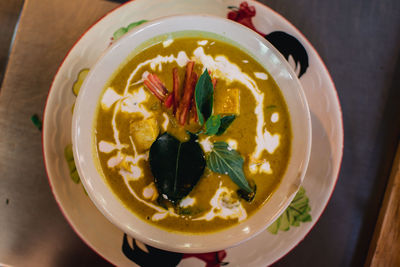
[(254, 2)]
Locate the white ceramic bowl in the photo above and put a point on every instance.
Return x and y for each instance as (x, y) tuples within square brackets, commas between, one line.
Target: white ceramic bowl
[(108, 203)]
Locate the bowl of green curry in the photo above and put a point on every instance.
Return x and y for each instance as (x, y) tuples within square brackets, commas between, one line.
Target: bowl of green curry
[(191, 133)]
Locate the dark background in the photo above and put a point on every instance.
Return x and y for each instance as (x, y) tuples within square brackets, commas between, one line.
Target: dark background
[(359, 41)]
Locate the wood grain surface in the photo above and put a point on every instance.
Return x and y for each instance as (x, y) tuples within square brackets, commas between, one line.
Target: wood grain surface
[(385, 245), (9, 13), (34, 231)]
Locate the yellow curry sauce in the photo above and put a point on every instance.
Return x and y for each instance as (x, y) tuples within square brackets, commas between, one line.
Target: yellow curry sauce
[(264, 145)]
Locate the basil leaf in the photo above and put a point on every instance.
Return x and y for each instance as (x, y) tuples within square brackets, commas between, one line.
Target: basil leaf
[(204, 96), (297, 212), (213, 125), (246, 195), (225, 160), (176, 166), (225, 123)]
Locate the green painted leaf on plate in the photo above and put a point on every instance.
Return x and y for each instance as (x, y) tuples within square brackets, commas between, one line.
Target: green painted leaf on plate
[(135, 24), (297, 212), (79, 81), (69, 157), (123, 30)]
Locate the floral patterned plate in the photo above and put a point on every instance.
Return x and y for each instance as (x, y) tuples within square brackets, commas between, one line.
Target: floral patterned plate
[(296, 221)]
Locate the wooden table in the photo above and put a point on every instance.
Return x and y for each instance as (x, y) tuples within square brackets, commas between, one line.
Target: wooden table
[(360, 43), (9, 13)]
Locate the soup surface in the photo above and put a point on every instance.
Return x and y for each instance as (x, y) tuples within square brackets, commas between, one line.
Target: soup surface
[(133, 112)]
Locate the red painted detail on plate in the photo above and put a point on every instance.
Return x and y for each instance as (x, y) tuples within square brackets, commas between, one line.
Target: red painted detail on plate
[(243, 15), (212, 259)]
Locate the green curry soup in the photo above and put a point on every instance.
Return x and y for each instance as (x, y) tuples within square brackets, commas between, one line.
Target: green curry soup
[(135, 109)]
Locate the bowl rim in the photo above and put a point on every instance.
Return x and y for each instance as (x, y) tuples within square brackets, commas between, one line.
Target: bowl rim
[(151, 241)]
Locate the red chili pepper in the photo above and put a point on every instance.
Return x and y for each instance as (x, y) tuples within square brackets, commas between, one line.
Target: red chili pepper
[(157, 82), (194, 117), (214, 82), (187, 99), (181, 113), (154, 84), (169, 101), (153, 89), (175, 88)]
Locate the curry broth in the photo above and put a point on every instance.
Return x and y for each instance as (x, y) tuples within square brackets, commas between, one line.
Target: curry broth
[(243, 130)]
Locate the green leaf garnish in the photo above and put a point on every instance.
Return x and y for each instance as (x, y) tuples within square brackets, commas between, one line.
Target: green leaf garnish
[(225, 160), (225, 123), (176, 166), (204, 97), (213, 125), (298, 211), (248, 196)]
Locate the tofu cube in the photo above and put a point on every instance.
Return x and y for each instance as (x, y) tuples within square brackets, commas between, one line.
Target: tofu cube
[(144, 133), (226, 102)]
